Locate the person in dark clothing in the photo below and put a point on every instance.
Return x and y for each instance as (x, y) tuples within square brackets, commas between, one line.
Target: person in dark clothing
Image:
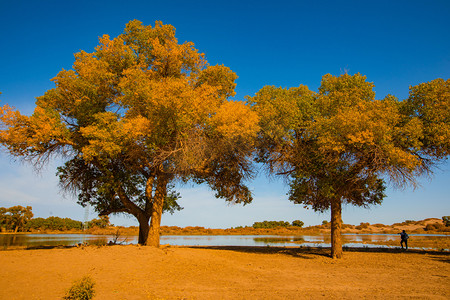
[(404, 239)]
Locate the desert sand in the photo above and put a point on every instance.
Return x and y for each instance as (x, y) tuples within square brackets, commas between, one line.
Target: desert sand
[(136, 272)]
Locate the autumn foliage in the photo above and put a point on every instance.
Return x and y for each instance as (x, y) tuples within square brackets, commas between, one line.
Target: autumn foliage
[(139, 112), (339, 145), (143, 111)]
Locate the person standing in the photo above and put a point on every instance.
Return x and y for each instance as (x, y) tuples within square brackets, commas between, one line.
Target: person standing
[(404, 239)]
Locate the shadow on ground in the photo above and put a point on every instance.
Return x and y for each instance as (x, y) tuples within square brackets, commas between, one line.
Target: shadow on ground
[(310, 252), (299, 252)]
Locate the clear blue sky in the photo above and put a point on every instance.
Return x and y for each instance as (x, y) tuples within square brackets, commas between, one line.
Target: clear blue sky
[(283, 43)]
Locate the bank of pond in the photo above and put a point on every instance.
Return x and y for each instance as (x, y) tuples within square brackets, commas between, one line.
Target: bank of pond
[(439, 242)]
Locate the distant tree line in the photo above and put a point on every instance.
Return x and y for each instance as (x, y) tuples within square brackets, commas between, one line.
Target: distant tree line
[(20, 219), (274, 224), (53, 223)]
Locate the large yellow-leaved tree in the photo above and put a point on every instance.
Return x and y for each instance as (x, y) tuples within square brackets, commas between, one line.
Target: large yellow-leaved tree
[(139, 112), (339, 145)]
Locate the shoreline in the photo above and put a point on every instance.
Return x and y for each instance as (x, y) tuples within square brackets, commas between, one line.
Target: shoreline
[(430, 241)]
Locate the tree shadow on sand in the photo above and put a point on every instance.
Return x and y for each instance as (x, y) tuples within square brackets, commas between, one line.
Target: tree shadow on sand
[(310, 252), (305, 253)]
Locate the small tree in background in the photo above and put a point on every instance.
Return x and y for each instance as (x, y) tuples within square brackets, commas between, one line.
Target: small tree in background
[(297, 223), (15, 218), (101, 222)]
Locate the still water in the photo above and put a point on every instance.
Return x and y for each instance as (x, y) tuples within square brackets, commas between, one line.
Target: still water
[(349, 240)]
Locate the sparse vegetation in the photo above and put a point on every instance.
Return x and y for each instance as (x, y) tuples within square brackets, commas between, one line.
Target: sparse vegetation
[(82, 289), (446, 220), (362, 225)]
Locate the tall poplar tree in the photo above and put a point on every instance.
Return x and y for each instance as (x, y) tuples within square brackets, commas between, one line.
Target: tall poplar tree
[(339, 145), (139, 112)]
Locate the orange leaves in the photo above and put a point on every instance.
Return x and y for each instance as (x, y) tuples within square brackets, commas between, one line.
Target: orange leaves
[(158, 48), (344, 128), (219, 76), (109, 135), (115, 53), (37, 136), (234, 120), (142, 102), (343, 91)]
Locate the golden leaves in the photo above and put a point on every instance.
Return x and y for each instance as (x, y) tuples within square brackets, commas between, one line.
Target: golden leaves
[(235, 120), (219, 76), (343, 128)]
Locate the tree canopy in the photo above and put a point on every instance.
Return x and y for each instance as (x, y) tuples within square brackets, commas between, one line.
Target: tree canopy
[(339, 145), (139, 112), (15, 217)]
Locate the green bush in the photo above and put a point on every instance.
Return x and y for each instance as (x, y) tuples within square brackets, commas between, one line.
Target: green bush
[(297, 223), (82, 289)]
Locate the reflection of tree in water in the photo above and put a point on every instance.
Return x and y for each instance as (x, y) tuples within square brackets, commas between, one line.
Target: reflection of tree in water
[(269, 240)]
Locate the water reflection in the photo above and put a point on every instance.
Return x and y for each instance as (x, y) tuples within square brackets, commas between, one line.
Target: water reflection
[(349, 240)]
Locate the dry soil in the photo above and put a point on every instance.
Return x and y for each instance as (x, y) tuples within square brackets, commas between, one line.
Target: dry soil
[(135, 272)]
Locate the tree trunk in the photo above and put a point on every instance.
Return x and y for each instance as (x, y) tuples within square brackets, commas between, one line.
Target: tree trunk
[(141, 215), (157, 209), (336, 223), (143, 230)]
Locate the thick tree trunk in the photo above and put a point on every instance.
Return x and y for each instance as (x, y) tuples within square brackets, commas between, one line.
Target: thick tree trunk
[(143, 230), (157, 209), (336, 223), (141, 215)]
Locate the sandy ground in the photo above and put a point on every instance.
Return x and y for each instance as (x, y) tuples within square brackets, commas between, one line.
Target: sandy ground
[(135, 272)]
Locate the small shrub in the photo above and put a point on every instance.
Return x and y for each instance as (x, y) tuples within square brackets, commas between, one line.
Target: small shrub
[(434, 227), (379, 225), (345, 226), (362, 225), (446, 220), (82, 289)]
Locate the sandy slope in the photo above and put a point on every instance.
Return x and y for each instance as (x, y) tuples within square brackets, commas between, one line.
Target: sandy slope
[(134, 272)]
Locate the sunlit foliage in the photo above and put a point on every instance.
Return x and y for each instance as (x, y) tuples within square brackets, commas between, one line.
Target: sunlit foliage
[(140, 111), (339, 145), (15, 218)]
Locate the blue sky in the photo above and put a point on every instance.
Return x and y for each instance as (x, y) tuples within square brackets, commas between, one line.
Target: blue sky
[(283, 43)]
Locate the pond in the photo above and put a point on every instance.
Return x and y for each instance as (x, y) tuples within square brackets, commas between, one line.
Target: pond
[(349, 240)]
